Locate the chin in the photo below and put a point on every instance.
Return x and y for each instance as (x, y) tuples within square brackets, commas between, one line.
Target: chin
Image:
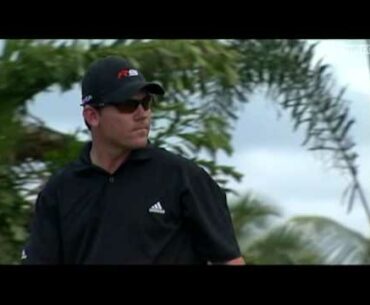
[(139, 143)]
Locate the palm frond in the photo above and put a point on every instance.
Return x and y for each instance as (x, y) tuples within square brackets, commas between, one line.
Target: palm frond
[(337, 243)]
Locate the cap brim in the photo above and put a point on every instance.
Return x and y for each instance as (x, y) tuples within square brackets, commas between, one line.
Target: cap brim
[(126, 92)]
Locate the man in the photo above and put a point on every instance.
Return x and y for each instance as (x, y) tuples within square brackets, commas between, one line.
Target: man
[(125, 201)]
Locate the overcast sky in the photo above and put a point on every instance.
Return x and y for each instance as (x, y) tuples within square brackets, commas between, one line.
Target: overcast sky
[(276, 166), (266, 150)]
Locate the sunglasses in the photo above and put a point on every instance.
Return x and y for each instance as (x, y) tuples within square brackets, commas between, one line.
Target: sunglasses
[(130, 105)]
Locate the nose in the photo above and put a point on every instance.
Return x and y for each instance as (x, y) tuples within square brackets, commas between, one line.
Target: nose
[(140, 113)]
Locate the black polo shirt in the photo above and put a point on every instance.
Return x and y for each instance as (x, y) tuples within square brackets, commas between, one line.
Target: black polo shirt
[(157, 208)]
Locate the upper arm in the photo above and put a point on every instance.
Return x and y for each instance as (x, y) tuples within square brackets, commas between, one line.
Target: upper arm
[(44, 243), (210, 220)]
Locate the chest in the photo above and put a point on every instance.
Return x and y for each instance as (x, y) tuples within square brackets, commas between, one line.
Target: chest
[(134, 210)]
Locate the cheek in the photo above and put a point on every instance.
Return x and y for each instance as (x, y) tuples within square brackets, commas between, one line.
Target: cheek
[(117, 125)]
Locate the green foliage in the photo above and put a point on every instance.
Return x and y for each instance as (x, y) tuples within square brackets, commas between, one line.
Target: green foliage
[(282, 247), (264, 242), (14, 217), (305, 240), (336, 243)]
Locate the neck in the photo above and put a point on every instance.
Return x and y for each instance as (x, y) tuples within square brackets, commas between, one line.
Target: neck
[(108, 157)]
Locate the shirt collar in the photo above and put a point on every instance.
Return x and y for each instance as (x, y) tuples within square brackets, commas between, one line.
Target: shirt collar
[(84, 161)]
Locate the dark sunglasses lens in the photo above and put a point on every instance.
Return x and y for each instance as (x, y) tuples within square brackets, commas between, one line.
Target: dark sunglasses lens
[(146, 102), (130, 105)]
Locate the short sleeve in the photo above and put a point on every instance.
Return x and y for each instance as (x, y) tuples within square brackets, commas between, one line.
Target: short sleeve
[(209, 217)]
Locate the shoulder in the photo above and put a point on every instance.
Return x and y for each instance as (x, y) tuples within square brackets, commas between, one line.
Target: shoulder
[(186, 169), (170, 159), (58, 178)]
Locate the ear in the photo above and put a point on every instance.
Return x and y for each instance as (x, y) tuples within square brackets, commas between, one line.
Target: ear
[(91, 115)]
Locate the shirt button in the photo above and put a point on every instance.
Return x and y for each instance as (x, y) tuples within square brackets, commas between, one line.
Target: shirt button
[(111, 179)]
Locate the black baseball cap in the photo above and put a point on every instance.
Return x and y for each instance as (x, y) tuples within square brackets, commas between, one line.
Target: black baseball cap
[(113, 80)]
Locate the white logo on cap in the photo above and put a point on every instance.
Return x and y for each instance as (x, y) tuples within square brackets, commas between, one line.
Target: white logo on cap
[(133, 72), (87, 99)]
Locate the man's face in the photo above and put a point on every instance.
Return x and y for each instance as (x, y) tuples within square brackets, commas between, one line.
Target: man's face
[(121, 129)]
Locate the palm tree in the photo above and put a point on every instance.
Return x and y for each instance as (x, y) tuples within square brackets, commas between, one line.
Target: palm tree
[(263, 241), (299, 240), (336, 243)]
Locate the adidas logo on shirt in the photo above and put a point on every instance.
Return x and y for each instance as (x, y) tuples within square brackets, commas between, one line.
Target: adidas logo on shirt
[(157, 208)]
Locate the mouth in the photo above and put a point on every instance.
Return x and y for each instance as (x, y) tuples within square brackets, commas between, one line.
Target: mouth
[(141, 128)]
